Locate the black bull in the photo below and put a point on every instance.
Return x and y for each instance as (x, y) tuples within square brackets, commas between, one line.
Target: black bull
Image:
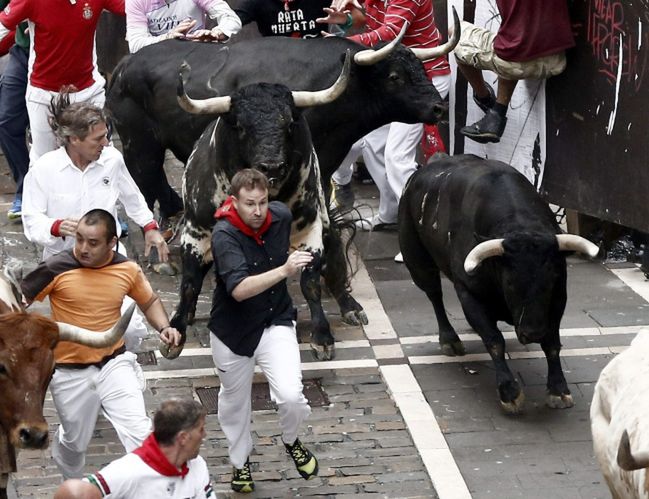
[(141, 97), (485, 227), (262, 126)]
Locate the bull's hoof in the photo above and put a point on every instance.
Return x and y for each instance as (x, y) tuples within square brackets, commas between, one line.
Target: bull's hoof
[(323, 352), (563, 401), (515, 407), (170, 352), (165, 268), (453, 349), (355, 318)]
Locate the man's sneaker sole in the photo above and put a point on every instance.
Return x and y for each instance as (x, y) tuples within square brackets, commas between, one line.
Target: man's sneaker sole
[(244, 488), (481, 138), (12, 215), (306, 474)]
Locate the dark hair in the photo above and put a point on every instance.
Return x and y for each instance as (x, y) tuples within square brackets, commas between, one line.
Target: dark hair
[(73, 120), (248, 178), (99, 216), (174, 416)]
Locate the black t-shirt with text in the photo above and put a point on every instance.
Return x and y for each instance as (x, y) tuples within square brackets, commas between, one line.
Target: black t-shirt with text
[(294, 18)]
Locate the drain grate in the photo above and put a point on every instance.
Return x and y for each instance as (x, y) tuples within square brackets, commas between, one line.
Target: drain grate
[(147, 359), (313, 391)]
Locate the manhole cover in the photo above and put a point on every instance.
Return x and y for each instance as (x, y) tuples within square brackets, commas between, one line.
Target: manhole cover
[(313, 391), (147, 359)]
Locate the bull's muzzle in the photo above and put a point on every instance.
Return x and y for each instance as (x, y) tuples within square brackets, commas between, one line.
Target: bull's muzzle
[(30, 436)]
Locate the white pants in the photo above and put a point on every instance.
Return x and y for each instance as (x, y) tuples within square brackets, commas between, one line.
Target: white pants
[(79, 395), (278, 356), (389, 154), (38, 109)]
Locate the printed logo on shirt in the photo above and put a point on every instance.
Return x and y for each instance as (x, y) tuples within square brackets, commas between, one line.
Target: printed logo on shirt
[(105, 181), (87, 12), (7, 9), (291, 22), (171, 488)]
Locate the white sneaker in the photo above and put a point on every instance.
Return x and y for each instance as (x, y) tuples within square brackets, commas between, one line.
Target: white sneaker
[(399, 257), (374, 223)]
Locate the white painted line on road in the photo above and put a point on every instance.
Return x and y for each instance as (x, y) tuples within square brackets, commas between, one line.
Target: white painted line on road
[(408, 396), (511, 335), (306, 366), (206, 351), (425, 432), (635, 279), (481, 357)]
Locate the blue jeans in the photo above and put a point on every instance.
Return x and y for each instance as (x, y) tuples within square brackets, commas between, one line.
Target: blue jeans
[(13, 115)]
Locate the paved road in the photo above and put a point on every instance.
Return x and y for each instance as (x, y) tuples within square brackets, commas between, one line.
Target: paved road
[(399, 419)]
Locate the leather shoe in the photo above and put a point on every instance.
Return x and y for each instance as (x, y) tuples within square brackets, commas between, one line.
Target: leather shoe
[(489, 129)]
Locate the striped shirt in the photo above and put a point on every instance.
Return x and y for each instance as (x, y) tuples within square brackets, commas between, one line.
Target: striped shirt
[(384, 20)]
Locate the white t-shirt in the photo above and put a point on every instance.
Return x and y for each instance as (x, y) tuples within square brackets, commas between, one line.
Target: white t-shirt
[(131, 478)]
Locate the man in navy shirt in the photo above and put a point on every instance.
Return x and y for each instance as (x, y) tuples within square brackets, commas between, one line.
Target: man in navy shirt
[(253, 321)]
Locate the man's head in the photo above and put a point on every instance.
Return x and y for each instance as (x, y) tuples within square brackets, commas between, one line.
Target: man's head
[(180, 423), (80, 127), (249, 189), (95, 239)]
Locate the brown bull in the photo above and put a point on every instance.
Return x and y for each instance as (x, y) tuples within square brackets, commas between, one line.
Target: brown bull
[(27, 341)]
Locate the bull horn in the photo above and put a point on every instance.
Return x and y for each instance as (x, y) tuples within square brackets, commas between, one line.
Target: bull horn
[(486, 249), (213, 105), (441, 50), (68, 332), (570, 242), (306, 99), (370, 56), (626, 460)]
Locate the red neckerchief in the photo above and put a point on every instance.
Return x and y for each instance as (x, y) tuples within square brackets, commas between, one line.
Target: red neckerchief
[(228, 212), (151, 454)]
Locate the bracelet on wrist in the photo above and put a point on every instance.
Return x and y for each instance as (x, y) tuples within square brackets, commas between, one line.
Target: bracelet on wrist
[(153, 225), (348, 23), (166, 327)]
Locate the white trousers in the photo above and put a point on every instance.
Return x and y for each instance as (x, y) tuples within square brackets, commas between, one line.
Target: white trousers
[(389, 153), (38, 109), (79, 395), (278, 356)]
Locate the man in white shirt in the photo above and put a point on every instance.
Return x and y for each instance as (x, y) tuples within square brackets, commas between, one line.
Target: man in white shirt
[(151, 21), (166, 465), (83, 174)]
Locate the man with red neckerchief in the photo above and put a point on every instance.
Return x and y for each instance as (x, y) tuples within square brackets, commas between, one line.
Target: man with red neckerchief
[(62, 55), (253, 321), (166, 465)]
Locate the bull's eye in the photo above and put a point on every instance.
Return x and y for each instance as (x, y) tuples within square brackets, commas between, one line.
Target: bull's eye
[(394, 76)]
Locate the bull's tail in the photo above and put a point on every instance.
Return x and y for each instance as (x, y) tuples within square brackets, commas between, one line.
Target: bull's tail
[(117, 72), (342, 233)]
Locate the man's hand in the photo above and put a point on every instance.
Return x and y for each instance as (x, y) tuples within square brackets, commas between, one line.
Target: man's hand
[(154, 238), (342, 5), (333, 17), (170, 336), (68, 227), (207, 35), (297, 261), (181, 30)]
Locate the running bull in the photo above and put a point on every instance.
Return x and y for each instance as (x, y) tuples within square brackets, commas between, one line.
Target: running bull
[(262, 126), (386, 85), (619, 424), (484, 226), (27, 341)]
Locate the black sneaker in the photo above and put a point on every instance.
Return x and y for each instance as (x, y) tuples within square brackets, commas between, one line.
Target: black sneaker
[(242, 479), (488, 129), (305, 462), (488, 102), (342, 196)]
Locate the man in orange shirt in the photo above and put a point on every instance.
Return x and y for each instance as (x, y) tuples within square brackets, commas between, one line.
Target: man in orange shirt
[(86, 286)]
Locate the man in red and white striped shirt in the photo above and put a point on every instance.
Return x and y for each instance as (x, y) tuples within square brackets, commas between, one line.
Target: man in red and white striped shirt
[(391, 149)]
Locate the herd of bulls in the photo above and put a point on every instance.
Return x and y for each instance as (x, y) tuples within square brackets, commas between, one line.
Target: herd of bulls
[(292, 108)]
